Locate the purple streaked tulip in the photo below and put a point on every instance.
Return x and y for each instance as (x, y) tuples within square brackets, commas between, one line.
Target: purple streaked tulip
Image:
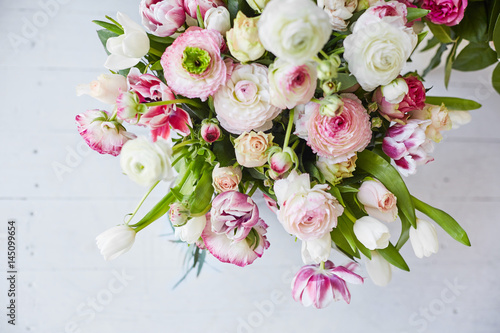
[(234, 214), (408, 146), (317, 286)]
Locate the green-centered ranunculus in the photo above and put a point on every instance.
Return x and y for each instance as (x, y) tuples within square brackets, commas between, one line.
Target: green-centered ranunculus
[(195, 60)]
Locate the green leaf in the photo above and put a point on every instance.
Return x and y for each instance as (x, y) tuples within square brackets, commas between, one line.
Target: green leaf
[(496, 37), (109, 26), (339, 239), (495, 78), (475, 57), (416, 13), (233, 6), (449, 63), (313, 170), (453, 103), (494, 10), (336, 193), (421, 36), (474, 25), (346, 228), (201, 197), (405, 232), (224, 152), (444, 220), (390, 177), (160, 209), (441, 32), (436, 60), (346, 81), (104, 35), (157, 66), (430, 44), (392, 255)]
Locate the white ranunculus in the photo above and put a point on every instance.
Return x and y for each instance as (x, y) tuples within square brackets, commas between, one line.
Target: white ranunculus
[(379, 269), (317, 250), (372, 233), (147, 162), (217, 18), (338, 11), (191, 231), (127, 49), (291, 84), (377, 52), (244, 102), (106, 88), (115, 241), (294, 30), (395, 91), (424, 239)]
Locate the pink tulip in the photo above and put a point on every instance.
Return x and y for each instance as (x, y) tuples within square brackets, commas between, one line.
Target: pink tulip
[(318, 286)]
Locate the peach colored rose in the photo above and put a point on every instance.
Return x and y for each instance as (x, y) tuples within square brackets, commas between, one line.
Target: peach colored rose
[(251, 148), (226, 179), (378, 201)]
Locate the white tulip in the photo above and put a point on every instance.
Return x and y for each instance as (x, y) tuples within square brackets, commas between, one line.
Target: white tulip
[(395, 91), (147, 162), (191, 231), (106, 88), (127, 49), (379, 269), (316, 250), (217, 18), (372, 233), (424, 239), (115, 241), (459, 118)]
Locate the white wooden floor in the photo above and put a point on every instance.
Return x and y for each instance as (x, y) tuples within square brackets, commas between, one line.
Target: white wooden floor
[(65, 286)]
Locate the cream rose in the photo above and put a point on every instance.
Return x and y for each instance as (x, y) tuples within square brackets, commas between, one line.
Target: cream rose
[(251, 148), (243, 39), (146, 162), (226, 178)]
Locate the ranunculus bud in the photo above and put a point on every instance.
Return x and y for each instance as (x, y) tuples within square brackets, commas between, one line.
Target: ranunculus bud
[(317, 250), (116, 241), (210, 131), (330, 87), (191, 231), (331, 106), (226, 178), (378, 201), (424, 239), (178, 214), (327, 69), (243, 39), (395, 91), (257, 5), (335, 172), (440, 121), (106, 88), (281, 161), (218, 19), (372, 233), (251, 148), (379, 269)]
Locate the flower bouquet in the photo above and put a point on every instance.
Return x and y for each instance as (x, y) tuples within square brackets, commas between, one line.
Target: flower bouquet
[(304, 103)]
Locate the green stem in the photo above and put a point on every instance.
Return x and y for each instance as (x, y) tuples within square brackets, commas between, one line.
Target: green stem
[(156, 52), (295, 144), (167, 201), (113, 116), (252, 191), (350, 216), (141, 202), (338, 51), (174, 101), (289, 128), (322, 265), (182, 144)]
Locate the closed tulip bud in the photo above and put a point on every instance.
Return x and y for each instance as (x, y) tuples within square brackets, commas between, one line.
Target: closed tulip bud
[(372, 233), (210, 131), (178, 214), (115, 241), (317, 250), (331, 106), (106, 88), (378, 201), (191, 231), (379, 269), (424, 239), (218, 19)]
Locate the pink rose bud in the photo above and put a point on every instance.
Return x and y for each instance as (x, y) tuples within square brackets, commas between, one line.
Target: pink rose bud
[(102, 134), (226, 178), (210, 131), (378, 201), (162, 17), (449, 12), (317, 286)]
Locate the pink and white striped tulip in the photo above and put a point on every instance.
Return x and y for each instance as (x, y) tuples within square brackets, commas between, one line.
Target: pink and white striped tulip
[(316, 286), (378, 201)]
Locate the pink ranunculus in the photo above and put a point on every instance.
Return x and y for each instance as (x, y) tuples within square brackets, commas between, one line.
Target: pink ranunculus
[(395, 10), (290, 84), (240, 253), (159, 118), (378, 201), (408, 146), (449, 12), (337, 137), (316, 286), (193, 65), (305, 212), (191, 6), (162, 17), (101, 134), (234, 214)]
